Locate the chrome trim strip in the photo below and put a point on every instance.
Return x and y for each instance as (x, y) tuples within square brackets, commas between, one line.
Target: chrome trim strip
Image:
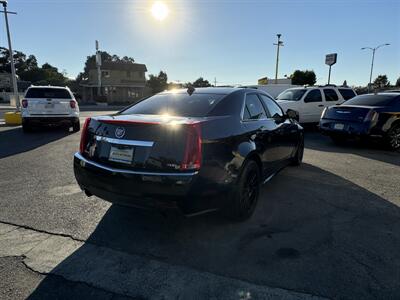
[(201, 212), (124, 142), (269, 178), (114, 170)]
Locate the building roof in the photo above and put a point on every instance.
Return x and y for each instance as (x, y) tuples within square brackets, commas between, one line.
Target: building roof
[(122, 66)]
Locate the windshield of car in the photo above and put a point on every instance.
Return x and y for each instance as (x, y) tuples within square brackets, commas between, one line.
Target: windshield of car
[(371, 100), (174, 104), (48, 93), (292, 94)]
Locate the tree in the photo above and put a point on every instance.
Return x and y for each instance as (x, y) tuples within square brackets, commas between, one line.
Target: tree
[(303, 77), (27, 69), (200, 82), (381, 81), (398, 82), (45, 75), (22, 63), (158, 83)]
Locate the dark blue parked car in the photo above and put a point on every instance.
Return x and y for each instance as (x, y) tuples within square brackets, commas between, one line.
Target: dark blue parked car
[(364, 116)]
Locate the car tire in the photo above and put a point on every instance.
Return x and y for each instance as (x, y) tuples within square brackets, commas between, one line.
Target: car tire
[(393, 137), (298, 157), (242, 201), (76, 126)]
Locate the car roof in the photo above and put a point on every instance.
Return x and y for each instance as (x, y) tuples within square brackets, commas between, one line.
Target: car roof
[(393, 94), (210, 90), (47, 87), (320, 87)]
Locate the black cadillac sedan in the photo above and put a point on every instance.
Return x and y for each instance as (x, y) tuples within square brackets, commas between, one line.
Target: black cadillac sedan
[(198, 150), (371, 115)]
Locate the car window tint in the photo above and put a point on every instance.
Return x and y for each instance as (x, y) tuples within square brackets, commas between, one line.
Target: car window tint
[(347, 93), (292, 94), (176, 104), (273, 109), (254, 108), (330, 95), (313, 96), (48, 93), (372, 100)]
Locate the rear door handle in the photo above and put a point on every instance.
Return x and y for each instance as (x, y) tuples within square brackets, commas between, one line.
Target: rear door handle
[(321, 105)]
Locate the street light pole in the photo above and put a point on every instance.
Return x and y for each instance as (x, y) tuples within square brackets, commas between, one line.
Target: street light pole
[(279, 44), (372, 62), (13, 73)]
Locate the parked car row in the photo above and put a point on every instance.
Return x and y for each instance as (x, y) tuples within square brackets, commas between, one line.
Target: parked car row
[(342, 115), (365, 116), (206, 149), (309, 102)]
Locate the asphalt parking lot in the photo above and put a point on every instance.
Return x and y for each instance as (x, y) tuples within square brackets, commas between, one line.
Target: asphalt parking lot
[(329, 228)]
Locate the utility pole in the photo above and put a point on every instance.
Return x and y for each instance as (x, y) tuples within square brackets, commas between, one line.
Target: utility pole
[(279, 44), (13, 73), (98, 65), (372, 62), (215, 81)]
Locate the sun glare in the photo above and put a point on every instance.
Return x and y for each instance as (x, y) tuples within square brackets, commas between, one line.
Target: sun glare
[(159, 10)]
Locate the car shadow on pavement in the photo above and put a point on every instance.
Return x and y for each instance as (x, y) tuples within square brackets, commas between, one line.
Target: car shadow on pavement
[(14, 141), (312, 232), (376, 150)]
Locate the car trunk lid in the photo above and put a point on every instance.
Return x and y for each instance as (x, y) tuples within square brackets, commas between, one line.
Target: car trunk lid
[(347, 113), (48, 106), (145, 142)]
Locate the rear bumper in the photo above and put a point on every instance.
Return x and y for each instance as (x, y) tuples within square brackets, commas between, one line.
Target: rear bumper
[(143, 189), (48, 120), (327, 126)]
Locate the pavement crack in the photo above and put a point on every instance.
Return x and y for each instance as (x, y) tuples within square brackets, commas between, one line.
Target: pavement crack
[(113, 294), (43, 231)]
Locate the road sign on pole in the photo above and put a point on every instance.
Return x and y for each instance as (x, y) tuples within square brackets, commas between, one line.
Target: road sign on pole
[(330, 60)]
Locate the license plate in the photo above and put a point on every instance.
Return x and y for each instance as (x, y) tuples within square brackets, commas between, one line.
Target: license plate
[(49, 105), (122, 155), (338, 126)]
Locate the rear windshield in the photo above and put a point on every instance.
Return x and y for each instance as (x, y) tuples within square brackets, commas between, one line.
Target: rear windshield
[(183, 105), (347, 93), (371, 100), (48, 93), (292, 95)]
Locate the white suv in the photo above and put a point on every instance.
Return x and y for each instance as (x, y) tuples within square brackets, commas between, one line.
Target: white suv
[(309, 102), (49, 105)]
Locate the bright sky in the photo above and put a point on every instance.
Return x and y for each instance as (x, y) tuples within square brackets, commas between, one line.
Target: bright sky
[(231, 40)]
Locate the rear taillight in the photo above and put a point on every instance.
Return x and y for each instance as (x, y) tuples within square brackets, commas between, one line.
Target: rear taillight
[(24, 103), (192, 155), (84, 136), (371, 116), (72, 103)]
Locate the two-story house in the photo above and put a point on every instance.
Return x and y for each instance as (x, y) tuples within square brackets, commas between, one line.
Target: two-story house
[(120, 82)]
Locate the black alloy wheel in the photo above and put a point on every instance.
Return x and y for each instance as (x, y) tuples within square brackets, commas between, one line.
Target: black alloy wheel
[(394, 137), (244, 197)]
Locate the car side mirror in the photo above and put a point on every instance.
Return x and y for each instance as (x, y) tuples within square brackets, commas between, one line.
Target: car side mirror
[(292, 114)]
